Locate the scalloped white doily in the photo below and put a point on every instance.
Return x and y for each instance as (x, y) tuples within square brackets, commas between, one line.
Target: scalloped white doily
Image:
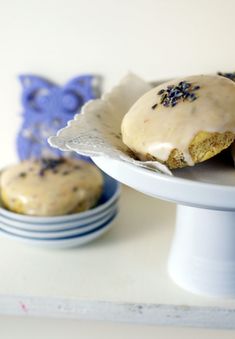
[(96, 131)]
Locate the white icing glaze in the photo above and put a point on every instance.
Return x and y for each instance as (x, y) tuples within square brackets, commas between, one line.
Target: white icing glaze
[(162, 150), (55, 193), (158, 131)]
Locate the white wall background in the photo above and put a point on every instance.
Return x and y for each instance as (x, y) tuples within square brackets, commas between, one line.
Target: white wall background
[(62, 38)]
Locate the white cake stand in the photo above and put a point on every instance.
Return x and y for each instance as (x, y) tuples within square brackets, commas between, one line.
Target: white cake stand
[(202, 257)]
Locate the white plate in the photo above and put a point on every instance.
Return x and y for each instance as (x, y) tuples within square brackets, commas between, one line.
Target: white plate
[(60, 226), (64, 243), (57, 234), (208, 185)]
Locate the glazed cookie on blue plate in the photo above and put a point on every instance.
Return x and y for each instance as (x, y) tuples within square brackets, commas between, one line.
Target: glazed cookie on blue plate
[(51, 187)]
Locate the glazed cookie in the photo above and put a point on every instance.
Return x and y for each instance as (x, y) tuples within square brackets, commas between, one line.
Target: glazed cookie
[(51, 187), (182, 122)]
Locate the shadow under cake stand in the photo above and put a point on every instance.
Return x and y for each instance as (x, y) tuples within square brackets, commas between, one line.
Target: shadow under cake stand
[(202, 256)]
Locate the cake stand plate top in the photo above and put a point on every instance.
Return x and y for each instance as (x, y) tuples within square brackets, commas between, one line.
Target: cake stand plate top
[(208, 185)]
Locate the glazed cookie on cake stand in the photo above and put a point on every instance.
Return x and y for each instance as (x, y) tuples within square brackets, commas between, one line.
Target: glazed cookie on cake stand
[(202, 256)]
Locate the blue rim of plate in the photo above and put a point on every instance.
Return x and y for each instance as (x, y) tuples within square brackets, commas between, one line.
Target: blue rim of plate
[(99, 221), (86, 221), (111, 192), (104, 225)]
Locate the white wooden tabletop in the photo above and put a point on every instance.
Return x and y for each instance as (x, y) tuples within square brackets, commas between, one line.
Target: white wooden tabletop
[(38, 328), (120, 277)]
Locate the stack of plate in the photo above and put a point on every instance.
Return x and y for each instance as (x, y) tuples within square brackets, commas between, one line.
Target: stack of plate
[(64, 231)]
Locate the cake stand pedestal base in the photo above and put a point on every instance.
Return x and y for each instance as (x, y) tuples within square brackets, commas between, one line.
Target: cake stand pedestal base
[(202, 257)]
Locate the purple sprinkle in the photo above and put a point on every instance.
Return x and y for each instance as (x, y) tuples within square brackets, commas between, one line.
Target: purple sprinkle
[(175, 93)]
